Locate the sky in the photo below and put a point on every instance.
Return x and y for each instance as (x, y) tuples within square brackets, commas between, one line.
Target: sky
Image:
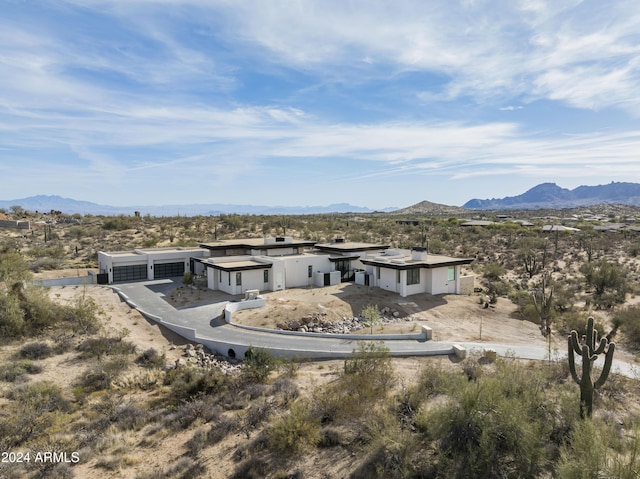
[(376, 103)]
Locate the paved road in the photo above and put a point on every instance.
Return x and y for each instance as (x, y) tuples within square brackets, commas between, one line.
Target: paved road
[(208, 323)]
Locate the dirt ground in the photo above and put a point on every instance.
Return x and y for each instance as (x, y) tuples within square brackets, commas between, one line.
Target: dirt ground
[(452, 317)]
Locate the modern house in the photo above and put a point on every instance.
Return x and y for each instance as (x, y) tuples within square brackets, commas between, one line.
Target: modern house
[(274, 264), (417, 271)]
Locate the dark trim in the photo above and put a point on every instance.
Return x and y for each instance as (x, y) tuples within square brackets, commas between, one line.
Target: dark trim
[(295, 244), (337, 249), (342, 258), (416, 265)]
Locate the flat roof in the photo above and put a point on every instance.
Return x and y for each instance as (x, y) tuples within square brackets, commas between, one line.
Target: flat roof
[(405, 262), (350, 247), (242, 265), (254, 243)]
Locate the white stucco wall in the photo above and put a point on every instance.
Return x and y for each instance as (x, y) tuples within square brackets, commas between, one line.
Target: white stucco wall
[(297, 269), (387, 280)]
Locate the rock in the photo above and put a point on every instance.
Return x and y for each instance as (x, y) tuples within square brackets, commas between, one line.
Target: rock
[(181, 362), (191, 353), (170, 365), (396, 314)]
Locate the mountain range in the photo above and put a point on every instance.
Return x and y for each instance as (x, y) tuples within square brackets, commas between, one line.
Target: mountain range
[(45, 203), (550, 195)]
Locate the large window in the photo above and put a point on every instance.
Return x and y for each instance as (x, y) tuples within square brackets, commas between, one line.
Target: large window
[(451, 273), (265, 275), (310, 271), (238, 278), (413, 276)]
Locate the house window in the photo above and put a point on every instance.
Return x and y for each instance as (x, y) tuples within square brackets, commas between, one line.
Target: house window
[(397, 276), (310, 271), (378, 272), (238, 278), (413, 276), (220, 276), (229, 278), (451, 273), (265, 275)]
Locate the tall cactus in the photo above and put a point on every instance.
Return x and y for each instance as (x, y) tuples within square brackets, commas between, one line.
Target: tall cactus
[(589, 348)]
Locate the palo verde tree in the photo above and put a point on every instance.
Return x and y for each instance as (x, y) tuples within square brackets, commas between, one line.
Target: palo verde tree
[(589, 348)]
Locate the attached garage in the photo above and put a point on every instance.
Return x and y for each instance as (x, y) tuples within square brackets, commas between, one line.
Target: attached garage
[(130, 272), (168, 270)]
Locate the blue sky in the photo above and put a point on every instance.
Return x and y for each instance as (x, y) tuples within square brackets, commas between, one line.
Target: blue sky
[(374, 103)]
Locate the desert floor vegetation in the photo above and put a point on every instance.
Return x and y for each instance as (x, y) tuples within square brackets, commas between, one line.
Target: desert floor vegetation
[(82, 373)]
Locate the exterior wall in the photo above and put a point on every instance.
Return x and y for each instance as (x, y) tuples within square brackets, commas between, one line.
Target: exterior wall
[(251, 279), (107, 261), (440, 283), (297, 269), (388, 279), (421, 287), (467, 283)]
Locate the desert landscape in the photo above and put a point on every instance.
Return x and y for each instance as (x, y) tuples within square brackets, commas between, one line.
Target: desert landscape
[(135, 400)]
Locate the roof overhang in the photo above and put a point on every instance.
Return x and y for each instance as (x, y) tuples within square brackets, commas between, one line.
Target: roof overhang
[(418, 264), (238, 265)]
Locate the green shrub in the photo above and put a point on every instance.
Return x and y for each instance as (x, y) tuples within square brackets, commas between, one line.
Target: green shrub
[(628, 320), (295, 432), (257, 365), (102, 375)]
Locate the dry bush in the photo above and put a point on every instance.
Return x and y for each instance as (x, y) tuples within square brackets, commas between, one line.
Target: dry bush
[(14, 371), (36, 350)]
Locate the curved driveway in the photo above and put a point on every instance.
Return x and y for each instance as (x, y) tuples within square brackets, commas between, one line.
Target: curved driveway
[(208, 327)]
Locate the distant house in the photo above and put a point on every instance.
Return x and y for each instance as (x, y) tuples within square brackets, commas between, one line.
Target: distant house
[(274, 264)]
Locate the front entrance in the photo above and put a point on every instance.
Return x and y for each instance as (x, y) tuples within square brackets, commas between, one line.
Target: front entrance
[(346, 273)]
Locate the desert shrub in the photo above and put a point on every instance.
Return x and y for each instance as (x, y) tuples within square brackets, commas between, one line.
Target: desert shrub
[(14, 370), (221, 428), (496, 426), (252, 468), (189, 412), (151, 358), (36, 350), (493, 271), (184, 468), (12, 321), (369, 369), (571, 321), (285, 390), (103, 375), (608, 280), (188, 383), (40, 397), (84, 314), (295, 432), (257, 365), (629, 321), (106, 346)]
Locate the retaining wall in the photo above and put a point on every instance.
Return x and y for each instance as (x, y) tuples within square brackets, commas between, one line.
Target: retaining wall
[(69, 281)]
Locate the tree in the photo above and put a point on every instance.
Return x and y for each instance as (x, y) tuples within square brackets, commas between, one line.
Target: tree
[(371, 315), (532, 254), (608, 280), (13, 267)]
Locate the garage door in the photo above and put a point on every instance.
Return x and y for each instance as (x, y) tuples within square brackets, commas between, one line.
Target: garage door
[(168, 270), (132, 272)]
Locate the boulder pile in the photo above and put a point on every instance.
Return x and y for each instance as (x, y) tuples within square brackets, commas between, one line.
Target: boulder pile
[(198, 356), (318, 322)]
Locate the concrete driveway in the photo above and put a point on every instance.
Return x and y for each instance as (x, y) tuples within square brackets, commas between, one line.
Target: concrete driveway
[(205, 324)]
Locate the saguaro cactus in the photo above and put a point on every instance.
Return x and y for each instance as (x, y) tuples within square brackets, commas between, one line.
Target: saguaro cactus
[(589, 348)]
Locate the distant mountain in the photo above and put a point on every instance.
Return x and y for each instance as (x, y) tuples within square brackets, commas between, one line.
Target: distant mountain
[(429, 208), (550, 195), (44, 204)]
